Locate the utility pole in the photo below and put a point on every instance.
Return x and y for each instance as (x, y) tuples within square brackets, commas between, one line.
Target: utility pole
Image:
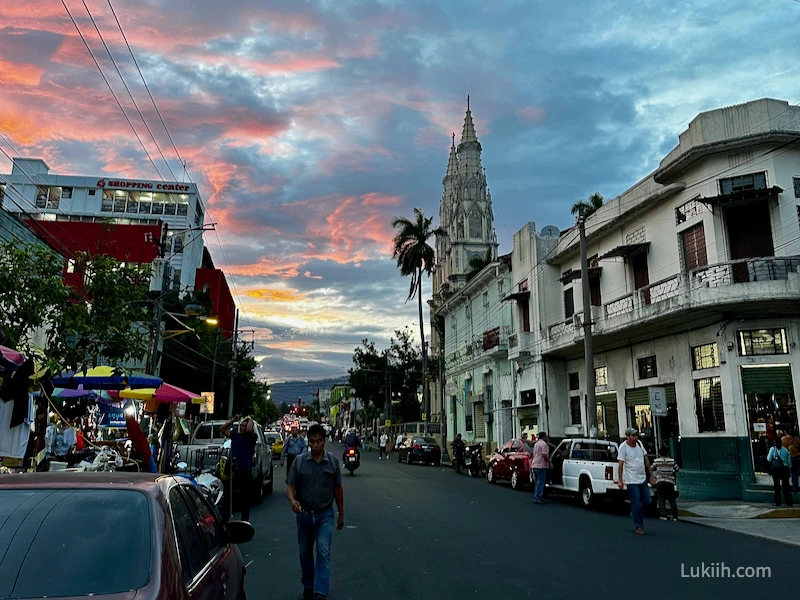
[(591, 402), (165, 274), (214, 368), (232, 365)]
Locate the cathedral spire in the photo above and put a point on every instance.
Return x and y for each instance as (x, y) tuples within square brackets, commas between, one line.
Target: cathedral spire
[(452, 163), (468, 133)]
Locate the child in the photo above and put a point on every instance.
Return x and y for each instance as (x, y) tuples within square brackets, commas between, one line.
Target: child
[(664, 470)]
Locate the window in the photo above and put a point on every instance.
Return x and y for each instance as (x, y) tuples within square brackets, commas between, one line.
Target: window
[(158, 208), (475, 226), (687, 210), (601, 376), (594, 291), (93, 192), (468, 311), (796, 183), (198, 213), (133, 206), (569, 303), (183, 210), (47, 197), (574, 381), (177, 244), (705, 357), (210, 529), (693, 247), (144, 207), (500, 290), (527, 397), (170, 208), (575, 410), (647, 367), (108, 205), (485, 299), (66, 192), (708, 400), (190, 544), (751, 181), (763, 341)]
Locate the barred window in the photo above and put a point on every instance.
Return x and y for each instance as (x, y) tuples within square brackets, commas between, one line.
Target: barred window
[(708, 400), (575, 410), (648, 367), (687, 210), (751, 181), (705, 356), (601, 376), (763, 341)]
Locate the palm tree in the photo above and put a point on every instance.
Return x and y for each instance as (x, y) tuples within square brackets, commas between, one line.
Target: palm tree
[(583, 208), (414, 257)]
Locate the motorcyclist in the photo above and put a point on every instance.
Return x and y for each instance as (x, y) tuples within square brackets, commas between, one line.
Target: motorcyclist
[(458, 452), (352, 440)]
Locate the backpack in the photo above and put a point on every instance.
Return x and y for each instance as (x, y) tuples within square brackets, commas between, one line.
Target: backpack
[(777, 461)]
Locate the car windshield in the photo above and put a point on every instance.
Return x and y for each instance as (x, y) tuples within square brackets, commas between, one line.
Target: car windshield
[(204, 432), (65, 529), (430, 440)]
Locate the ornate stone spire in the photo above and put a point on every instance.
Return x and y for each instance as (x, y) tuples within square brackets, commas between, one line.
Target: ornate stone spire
[(468, 132), (452, 163)]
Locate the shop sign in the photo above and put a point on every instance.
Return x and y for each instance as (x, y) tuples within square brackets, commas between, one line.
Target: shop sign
[(658, 401), (111, 416), (762, 427), (207, 408), (122, 184)]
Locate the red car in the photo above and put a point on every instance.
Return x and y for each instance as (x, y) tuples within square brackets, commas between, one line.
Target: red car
[(116, 536), (512, 462)]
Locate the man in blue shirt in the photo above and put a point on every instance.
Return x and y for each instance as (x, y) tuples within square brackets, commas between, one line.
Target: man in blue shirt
[(293, 447), (243, 446)]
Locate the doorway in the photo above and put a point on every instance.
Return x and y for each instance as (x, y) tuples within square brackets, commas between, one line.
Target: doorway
[(641, 275), (749, 236)]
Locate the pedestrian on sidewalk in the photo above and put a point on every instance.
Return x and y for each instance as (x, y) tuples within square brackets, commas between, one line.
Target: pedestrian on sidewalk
[(780, 463), (294, 446), (243, 445), (634, 472), (382, 447), (314, 483), (792, 443), (664, 470), (541, 462)]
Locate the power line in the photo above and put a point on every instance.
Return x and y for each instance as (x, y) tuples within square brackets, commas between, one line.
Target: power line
[(127, 89), (116, 99)]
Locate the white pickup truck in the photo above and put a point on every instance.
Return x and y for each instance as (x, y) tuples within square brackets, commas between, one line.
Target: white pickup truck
[(586, 467)]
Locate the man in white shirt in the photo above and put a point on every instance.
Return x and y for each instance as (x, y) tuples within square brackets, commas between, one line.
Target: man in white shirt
[(382, 447), (634, 473)]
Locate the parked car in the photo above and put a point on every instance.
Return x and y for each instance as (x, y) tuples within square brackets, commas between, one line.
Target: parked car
[(587, 468), (148, 536), (512, 462), (205, 450), (275, 440), (420, 449)]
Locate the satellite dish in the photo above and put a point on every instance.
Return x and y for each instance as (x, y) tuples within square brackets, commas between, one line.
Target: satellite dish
[(451, 389), (550, 231)]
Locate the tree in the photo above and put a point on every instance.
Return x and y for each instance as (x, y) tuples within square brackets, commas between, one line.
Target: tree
[(414, 257), (478, 263), (584, 208), (368, 376)]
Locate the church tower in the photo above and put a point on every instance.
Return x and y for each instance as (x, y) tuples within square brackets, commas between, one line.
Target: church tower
[(465, 212)]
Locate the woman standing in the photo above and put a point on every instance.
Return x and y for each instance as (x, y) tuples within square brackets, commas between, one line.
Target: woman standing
[(780, 463)]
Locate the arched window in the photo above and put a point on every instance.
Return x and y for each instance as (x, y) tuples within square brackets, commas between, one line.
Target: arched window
[(475, 226)]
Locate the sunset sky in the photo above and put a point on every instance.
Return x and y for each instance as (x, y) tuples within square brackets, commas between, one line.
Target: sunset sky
[(309, 125)]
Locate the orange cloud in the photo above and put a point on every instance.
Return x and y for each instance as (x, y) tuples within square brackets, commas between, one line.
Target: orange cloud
[(285, 268), (21, 73), (276, 295)]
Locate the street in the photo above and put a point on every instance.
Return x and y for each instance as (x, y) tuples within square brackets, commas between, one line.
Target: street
[(420, 530)]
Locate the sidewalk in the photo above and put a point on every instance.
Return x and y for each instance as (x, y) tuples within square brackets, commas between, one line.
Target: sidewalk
[(761, 520)]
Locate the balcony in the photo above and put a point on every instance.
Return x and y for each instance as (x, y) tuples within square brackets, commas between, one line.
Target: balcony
[(493, 342), (683, 301), (520, 344)]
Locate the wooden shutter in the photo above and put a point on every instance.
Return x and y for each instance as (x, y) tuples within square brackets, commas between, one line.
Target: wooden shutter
[(693, 243)]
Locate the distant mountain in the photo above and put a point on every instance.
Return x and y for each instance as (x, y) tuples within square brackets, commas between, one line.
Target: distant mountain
[(290, 391)]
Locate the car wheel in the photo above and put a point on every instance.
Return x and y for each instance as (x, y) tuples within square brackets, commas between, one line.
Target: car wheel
[(516, 480), (258, 494), (587, 494), (490, 476)]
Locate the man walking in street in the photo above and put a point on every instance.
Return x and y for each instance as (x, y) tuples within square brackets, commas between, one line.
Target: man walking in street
[(634, 472), (313, 484), (294, 446), (382, 446), (243, 446), (541, 462)]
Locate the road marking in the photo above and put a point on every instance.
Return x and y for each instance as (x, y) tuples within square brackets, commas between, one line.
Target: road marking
[(250, 563), (351, 526)]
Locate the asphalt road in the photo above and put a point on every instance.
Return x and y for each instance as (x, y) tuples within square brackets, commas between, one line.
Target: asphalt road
[(420, 531)]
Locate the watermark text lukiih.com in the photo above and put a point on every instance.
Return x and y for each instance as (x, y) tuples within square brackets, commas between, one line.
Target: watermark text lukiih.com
[(719, 570)]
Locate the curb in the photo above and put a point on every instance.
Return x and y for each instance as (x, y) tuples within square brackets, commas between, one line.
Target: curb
[(778, 513), (710, 523)]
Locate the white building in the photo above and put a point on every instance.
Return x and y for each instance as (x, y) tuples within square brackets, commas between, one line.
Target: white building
[(53, 197), (478, 382), (694, 288)]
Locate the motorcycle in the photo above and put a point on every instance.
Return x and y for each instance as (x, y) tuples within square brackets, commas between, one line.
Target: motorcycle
[(352, 459), (473, 460)]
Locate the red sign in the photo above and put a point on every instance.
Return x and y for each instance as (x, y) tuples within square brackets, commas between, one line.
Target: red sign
[(142, 185)]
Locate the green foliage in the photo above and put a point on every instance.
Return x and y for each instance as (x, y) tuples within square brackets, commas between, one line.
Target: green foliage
[(478, 263), (584, 208)]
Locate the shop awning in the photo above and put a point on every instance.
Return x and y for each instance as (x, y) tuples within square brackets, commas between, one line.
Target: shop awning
[(166, 393), (742, 197), (516, 296), (640, 396), (573, 274), (767, 380), (625, 250)]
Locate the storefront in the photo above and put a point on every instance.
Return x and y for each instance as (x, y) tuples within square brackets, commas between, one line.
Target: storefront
[(771, 407), (607, 416), (653, 432)]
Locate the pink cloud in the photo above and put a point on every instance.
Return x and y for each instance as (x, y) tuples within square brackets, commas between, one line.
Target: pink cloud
[(529, 114)]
